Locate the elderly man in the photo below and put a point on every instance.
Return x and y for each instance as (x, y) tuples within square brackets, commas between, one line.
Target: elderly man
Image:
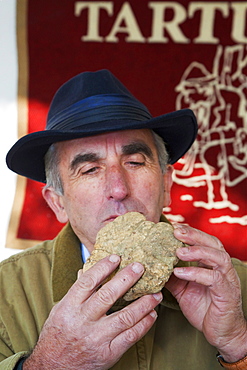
[(103, 155)]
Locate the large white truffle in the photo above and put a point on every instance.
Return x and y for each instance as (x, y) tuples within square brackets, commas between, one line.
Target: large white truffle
[(135, 239)]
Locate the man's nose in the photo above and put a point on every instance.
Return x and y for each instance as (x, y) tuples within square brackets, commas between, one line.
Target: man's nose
[(117, 183)]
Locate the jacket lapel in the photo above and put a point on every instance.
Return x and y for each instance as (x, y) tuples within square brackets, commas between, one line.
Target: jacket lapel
[(66, 261)]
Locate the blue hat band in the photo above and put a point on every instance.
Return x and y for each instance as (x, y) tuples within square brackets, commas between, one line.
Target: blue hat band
[(99, 108)]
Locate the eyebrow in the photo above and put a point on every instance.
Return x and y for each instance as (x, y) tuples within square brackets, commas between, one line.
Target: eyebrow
[(137, 147), (81, 158), (129, 149)]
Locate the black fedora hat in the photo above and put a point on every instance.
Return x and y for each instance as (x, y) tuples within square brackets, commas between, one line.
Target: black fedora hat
[(92, 103)]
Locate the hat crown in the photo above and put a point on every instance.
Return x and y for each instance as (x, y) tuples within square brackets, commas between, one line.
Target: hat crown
[(93, 95)]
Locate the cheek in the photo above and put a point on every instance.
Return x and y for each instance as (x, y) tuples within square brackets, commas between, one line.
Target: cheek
[(83, 199), (152, 181), (150, 189), (146, 189), (155, 192)]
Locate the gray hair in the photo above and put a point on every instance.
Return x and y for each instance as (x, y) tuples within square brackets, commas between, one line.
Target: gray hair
[(162, 151), (53, 178)]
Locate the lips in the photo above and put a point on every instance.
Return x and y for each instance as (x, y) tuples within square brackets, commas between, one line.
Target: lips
[(115, 215), (112, 210), (112, 218)]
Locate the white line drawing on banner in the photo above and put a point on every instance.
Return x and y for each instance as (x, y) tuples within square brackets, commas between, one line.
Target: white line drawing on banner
[(218, 158)]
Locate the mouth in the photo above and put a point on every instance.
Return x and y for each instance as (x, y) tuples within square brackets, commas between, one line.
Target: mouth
[(113, 217)]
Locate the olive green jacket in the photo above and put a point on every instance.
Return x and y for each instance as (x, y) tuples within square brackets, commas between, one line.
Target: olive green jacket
[(34, 280)]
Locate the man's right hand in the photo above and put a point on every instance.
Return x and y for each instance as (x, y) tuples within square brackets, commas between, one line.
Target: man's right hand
[(79, 335)]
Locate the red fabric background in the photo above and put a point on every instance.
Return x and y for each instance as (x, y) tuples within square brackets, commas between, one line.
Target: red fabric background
[(153, 72)]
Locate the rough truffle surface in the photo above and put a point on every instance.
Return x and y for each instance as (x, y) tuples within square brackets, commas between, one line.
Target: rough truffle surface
[(135, 239)]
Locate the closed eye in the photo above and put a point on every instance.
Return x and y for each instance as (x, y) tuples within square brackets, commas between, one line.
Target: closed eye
[(137, 163), (90, 170)]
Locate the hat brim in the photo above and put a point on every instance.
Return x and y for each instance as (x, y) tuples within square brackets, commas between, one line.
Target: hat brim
[(178, 130)]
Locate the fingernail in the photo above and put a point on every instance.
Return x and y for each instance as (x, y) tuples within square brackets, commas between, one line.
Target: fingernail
[(180, 228), (183, 250), (79, 272), (158, 296), (114, 258), (180, 270), (137, 268), (153, 314)]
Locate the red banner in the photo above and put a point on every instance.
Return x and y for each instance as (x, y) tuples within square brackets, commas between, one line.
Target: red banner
[(170, 55)]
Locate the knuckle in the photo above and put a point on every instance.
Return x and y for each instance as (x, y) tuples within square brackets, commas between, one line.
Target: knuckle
[(106, 355), (126, 319), (87, 282), (218, 242), (132, 335), (217, 277), (106, 296), (226, 259)]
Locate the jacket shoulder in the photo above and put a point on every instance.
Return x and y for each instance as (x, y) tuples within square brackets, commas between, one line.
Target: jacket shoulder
[(41, 249)]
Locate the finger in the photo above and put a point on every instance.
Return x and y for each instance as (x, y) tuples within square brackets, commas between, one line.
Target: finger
[(89, 281), (193, 236), (223, 285), (206, 256), (175, 285), (129, 316), (129, 337), (219, 274), (110, 292)]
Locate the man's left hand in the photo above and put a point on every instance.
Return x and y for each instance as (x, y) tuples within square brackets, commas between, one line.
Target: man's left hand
[(209, 294)]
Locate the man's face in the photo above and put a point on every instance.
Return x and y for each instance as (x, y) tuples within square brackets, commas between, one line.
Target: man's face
[(105, 176)]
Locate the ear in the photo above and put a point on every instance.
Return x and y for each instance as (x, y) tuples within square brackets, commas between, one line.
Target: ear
[(167, 185), (55, 202)]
